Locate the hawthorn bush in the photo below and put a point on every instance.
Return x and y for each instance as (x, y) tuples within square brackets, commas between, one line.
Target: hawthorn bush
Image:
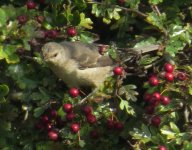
[(145, 105)]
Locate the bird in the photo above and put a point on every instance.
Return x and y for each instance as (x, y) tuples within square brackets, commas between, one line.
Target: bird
[(78, 64)]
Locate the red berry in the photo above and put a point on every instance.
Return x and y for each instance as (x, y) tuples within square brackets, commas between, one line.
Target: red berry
[(118, 70), (71, 31), (42, 1), (67, 107), (155, 99), (156, 96), (87, 110), (102, 49), (168, 67), (74, 92), (181, 76), (49, 126), (53, 113), (45, 119), (147, 97), (165, 100), (169, 77), (22, 19), (118, 126), (53, 135), (153, 81), (39, 125), (70, 116), (51, 34), (121, 2), (94, 134), (91, 119), (31, 4), (149, 109), (110, 124), (75, 127), (155, 121), (161, 147)]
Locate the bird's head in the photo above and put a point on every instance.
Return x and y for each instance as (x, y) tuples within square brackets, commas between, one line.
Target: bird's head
[(53, 52)]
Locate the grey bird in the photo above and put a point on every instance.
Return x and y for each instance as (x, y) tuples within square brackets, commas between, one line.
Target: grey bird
[(78, 64)]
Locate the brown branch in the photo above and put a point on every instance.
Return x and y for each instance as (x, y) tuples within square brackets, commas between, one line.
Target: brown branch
[(123, 8)]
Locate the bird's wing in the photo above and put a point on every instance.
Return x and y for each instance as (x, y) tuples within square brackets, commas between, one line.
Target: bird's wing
[(87, 55)]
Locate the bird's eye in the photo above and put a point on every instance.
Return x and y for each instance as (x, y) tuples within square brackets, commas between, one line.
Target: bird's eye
[(55, 55)]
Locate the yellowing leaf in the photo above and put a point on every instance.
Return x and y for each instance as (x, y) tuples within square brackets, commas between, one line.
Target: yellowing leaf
[(85, 22)]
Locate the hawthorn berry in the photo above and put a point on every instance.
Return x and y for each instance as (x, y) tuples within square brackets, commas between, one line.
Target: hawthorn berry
[(42, 1), (53, 135), (149, 109), (31, 4), (49, 126), (22, 19), (153, 81), (70, 116), (75, 127), (118, 126), (94, 134), (45, 119), (51, 34), (168, 67), (161, 147), (71, 31), (165, 100), (110, 124), (156, 96), (121, 2), (91, 118), (74, 92), (39, 125), (155, 99), (181, 76), (155, 121), (67, 107), (147, 97), (53, 113), (87, 110), (169, 76), (118, 70)]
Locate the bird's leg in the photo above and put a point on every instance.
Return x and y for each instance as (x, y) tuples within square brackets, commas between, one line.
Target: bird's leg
[(88, 96)]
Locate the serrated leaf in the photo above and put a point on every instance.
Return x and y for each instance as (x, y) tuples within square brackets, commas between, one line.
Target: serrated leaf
[(155, 2), (3, 17), (4, 90), (81, 143), (39, 111), (85, 22), (174, 127)]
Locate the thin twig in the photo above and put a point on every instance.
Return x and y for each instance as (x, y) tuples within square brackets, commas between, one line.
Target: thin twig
[(123, 8)]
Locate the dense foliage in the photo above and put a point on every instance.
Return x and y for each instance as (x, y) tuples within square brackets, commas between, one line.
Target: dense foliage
[(147, 104)]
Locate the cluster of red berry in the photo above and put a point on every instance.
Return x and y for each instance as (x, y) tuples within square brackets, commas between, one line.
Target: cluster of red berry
[(22, 19), (154, 99)]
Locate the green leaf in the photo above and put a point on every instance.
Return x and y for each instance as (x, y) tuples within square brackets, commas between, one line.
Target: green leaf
[(39, 111), (155, 2), (3, 17), (12, 59), (190, 89), (81, 143), (174, 127), (4, 90), (85, 22)]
